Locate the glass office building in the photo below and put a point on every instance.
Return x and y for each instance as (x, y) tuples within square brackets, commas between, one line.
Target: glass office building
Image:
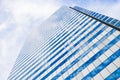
[(74, 44)]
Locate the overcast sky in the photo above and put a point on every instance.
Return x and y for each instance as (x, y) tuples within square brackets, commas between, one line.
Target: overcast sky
[(19, 17)]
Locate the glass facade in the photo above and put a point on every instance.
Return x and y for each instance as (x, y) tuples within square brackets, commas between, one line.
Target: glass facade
[(80, 45)]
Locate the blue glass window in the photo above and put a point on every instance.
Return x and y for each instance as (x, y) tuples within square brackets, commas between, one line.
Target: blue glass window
[(109, 20), (118, 24), (114, 21), (105, 18)]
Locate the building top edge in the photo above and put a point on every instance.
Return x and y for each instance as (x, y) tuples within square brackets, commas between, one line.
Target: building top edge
[(114, 23)]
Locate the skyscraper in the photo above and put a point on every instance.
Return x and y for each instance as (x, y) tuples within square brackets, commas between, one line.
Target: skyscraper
[(73, 44)]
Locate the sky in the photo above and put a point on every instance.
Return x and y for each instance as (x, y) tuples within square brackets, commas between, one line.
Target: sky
[(19, 17)]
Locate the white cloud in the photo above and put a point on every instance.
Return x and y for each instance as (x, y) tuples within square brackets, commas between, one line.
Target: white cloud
[(2, 27), (24, 9)]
